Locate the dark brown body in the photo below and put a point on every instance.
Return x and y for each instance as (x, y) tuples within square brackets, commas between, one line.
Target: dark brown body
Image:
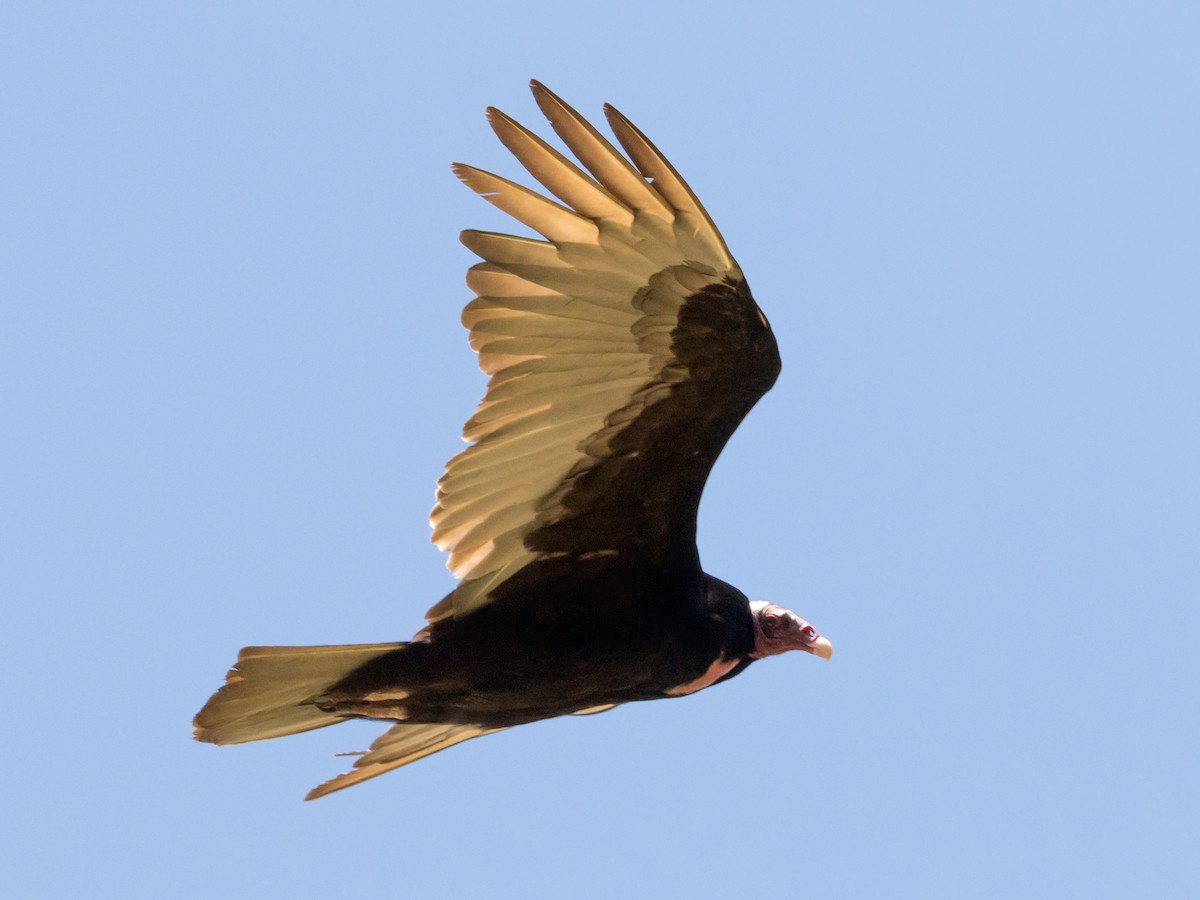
[(567, 636)]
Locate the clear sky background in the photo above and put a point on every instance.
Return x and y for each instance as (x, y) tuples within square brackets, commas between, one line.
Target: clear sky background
[(232, 369)]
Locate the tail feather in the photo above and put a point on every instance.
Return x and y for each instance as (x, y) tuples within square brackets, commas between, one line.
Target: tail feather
[(270, 690)]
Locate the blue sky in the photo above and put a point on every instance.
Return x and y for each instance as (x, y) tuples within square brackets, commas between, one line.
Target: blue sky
[(232, 370)]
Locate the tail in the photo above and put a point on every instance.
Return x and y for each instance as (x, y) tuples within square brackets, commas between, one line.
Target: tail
[(269, 692)]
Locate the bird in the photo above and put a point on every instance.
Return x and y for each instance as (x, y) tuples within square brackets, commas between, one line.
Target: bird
[(623, 348)]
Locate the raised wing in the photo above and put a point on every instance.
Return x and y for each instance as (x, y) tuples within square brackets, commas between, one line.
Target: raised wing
[(623, 350)]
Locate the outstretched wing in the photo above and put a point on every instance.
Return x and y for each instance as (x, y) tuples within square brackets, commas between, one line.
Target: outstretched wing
[(623, 350)]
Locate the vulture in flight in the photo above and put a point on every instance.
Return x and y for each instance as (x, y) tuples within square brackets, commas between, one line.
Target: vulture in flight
[(622, 348)]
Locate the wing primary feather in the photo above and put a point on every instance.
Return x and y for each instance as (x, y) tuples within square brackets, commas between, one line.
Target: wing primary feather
[(653, 165), (559, 175), (600, 157), (547, 218), (509, 248)]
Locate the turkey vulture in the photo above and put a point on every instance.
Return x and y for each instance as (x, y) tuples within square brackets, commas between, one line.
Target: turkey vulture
[(622, 350)]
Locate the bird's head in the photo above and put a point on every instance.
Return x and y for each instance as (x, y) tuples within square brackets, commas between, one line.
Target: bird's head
[(777, 630)]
